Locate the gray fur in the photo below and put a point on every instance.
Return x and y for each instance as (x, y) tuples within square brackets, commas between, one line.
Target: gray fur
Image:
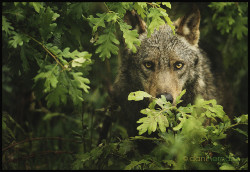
[(164, 49)]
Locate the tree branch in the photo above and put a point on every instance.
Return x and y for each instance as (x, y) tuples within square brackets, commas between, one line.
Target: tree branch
[(35, 139)]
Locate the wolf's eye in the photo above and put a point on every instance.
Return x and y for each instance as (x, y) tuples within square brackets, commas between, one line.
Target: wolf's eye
[(149, 65), (178, 65)]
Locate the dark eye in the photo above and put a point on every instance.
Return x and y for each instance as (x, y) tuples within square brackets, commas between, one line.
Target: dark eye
[(149, 65), (178, 65)]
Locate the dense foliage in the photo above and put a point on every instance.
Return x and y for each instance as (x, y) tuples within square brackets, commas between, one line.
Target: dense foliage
[(59, 62)]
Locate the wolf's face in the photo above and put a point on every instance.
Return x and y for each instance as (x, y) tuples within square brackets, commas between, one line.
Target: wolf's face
[(165, 65)]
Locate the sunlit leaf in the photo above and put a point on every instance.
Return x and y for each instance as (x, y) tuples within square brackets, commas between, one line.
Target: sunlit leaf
[(138, 95)]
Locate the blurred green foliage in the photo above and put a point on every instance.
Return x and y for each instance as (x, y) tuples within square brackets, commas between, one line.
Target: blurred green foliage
[(183, 143), (59, 60)]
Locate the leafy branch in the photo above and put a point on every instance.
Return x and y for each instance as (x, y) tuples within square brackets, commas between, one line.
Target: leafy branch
[(51, 54), (163, 117), (107, 42)]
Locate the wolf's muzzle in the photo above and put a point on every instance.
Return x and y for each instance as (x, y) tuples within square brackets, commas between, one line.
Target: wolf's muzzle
[(168, 96)]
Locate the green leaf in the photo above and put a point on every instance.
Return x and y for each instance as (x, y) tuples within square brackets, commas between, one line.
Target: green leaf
[(167, 4), (231, 20), (162, 102), (50, 77), (152, 104), (18, 39), (241, 131), (187, 109), (79, 81), (130, 36), (218, 110), (111, 17), (96, 152), (80, 159), (156, 21), (150, 122), (37, 6), (134, 164), (140, 8), (226, 166), (47, 26), (18, 13), (97, 22), (74, 86), (242, 119), (162, 122), (77, 9), (178, 98), (152, 126), (59, 94), (120, 8), (79, 58), (125, 147), (145, 124), (145, 111), (78, 62), (169, 22), (106, 44), (138, 95), (6, 26), (75, 94), (57, 52), (75, 54), (240, 27), (66, 53), (179, 126)]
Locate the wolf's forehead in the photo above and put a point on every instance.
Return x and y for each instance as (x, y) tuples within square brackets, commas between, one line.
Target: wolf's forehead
[(163, 40), (162, 48), (158, 37), (164, 56), (165, 45)]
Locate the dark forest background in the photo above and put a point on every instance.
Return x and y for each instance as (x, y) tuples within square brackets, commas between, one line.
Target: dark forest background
[(57, 73)]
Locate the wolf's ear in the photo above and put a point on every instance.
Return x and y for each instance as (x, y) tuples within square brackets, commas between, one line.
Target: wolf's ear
[(188, 26), (133, 19)]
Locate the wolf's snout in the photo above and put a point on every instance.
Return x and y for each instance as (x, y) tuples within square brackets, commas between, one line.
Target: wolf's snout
[(168, 96)]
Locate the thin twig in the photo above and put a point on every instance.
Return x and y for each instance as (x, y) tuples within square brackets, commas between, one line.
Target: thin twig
[(57, 61), (35, 139), (35, 154), (106, 6)]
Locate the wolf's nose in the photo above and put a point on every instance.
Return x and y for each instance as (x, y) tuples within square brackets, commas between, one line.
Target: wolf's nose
[(168, 96)]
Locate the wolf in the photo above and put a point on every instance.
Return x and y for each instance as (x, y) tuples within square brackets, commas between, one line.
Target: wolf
[(165, 64)]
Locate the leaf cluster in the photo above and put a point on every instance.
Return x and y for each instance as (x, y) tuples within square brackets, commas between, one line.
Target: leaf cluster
[(203, 122), (107, 23), (178, 128), (230, 18), (61, 73)]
